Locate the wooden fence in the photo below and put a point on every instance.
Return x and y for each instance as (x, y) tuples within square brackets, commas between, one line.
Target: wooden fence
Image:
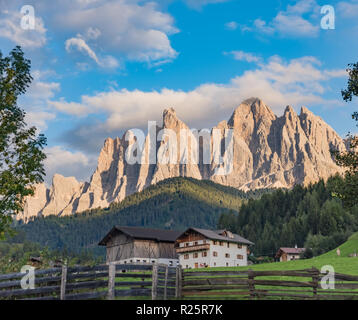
[(158, 281), (111, 282), (295, 284)]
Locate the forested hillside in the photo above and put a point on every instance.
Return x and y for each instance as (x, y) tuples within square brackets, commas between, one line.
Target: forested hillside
[(307, 216), (174, 203)]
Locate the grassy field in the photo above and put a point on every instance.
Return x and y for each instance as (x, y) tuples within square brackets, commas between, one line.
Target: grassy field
[(341, 264)]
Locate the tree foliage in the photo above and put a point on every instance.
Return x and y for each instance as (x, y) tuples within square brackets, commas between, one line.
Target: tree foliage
[(348, 191), (286, 218), (21, 149), (352, 86), (176, 204)]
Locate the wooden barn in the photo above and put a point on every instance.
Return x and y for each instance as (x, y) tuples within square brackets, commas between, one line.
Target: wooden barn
[(141, 245)]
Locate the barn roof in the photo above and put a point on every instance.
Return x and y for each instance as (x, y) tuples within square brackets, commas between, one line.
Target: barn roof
[(289, 251), (218, 235), (159, 235)]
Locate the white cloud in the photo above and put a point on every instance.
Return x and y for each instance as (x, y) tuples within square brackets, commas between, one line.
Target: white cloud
[(137, 30), (10, 28), (233, 25), (198, 4), (35, 101), (122, 29), (72, 108), (93, 33), (348, 9), (43, 90), (67, 163), (243, 56), (81, 45), (291, 22), (294, 25), (279, 83), (39, 119)]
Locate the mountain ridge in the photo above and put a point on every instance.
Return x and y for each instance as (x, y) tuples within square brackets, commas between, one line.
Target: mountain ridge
[(174, 203), (268, 152)]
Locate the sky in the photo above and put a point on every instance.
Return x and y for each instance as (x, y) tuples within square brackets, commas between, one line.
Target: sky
[(101, 67)]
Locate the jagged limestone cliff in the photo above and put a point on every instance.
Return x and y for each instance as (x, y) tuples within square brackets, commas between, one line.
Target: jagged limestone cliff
[(268, 151)]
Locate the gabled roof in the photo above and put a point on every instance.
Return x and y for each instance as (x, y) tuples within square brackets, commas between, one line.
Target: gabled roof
[(217, 235), (159, 235), (289, 251)]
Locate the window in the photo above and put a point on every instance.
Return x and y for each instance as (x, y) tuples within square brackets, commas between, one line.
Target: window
[(221, 243), (131, 261), (196, 243), (138, 260), (215, 254), (215, 243), (186, 256), (239, 246), (227, 264), (195, 255), (227, 255), (170, 263), (228, 244), (144, 260), (187, 244), (187, 266), (214, 264), (153, 261), (240, 256), (204, 254)]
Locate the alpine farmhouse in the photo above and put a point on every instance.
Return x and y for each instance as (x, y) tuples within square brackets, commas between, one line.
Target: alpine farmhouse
[(288, 254), (200, 248)]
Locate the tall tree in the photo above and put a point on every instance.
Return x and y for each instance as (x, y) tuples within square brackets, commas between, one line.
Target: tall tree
[(348, 191), (21, 149)]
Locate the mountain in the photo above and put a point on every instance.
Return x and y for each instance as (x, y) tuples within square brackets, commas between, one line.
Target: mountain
[(175, 204), (268, 152)]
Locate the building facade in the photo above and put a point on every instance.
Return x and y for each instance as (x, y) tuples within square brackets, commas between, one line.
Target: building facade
[(200, 248), (288, 254), (140, 245)]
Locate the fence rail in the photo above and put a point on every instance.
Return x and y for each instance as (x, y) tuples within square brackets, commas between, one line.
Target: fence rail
[(98, 282), (158, 281), (288, 284)]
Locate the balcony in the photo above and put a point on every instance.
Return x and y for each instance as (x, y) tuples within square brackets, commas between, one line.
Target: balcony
[(197, 247)]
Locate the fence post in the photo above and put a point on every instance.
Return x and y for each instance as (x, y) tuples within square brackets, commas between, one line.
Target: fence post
[(63, 282), (111, 281), (166, 282), (154, 281), (178, 281), (315, 277), (251, 279)]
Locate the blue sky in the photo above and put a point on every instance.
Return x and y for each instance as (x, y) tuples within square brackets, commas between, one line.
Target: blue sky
[(101, 67)]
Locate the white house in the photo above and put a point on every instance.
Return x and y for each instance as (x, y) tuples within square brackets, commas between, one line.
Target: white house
[(200, 248)]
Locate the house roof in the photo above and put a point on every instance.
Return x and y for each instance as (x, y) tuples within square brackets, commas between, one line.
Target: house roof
[(159, 235), (217, 235), (290, 251)]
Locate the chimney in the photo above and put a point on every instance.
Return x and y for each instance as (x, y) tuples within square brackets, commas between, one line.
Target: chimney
[(295, 246)]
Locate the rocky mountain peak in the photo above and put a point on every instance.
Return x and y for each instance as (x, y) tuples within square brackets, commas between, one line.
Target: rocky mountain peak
[(268, 152), (252, 109), (171, 120)]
